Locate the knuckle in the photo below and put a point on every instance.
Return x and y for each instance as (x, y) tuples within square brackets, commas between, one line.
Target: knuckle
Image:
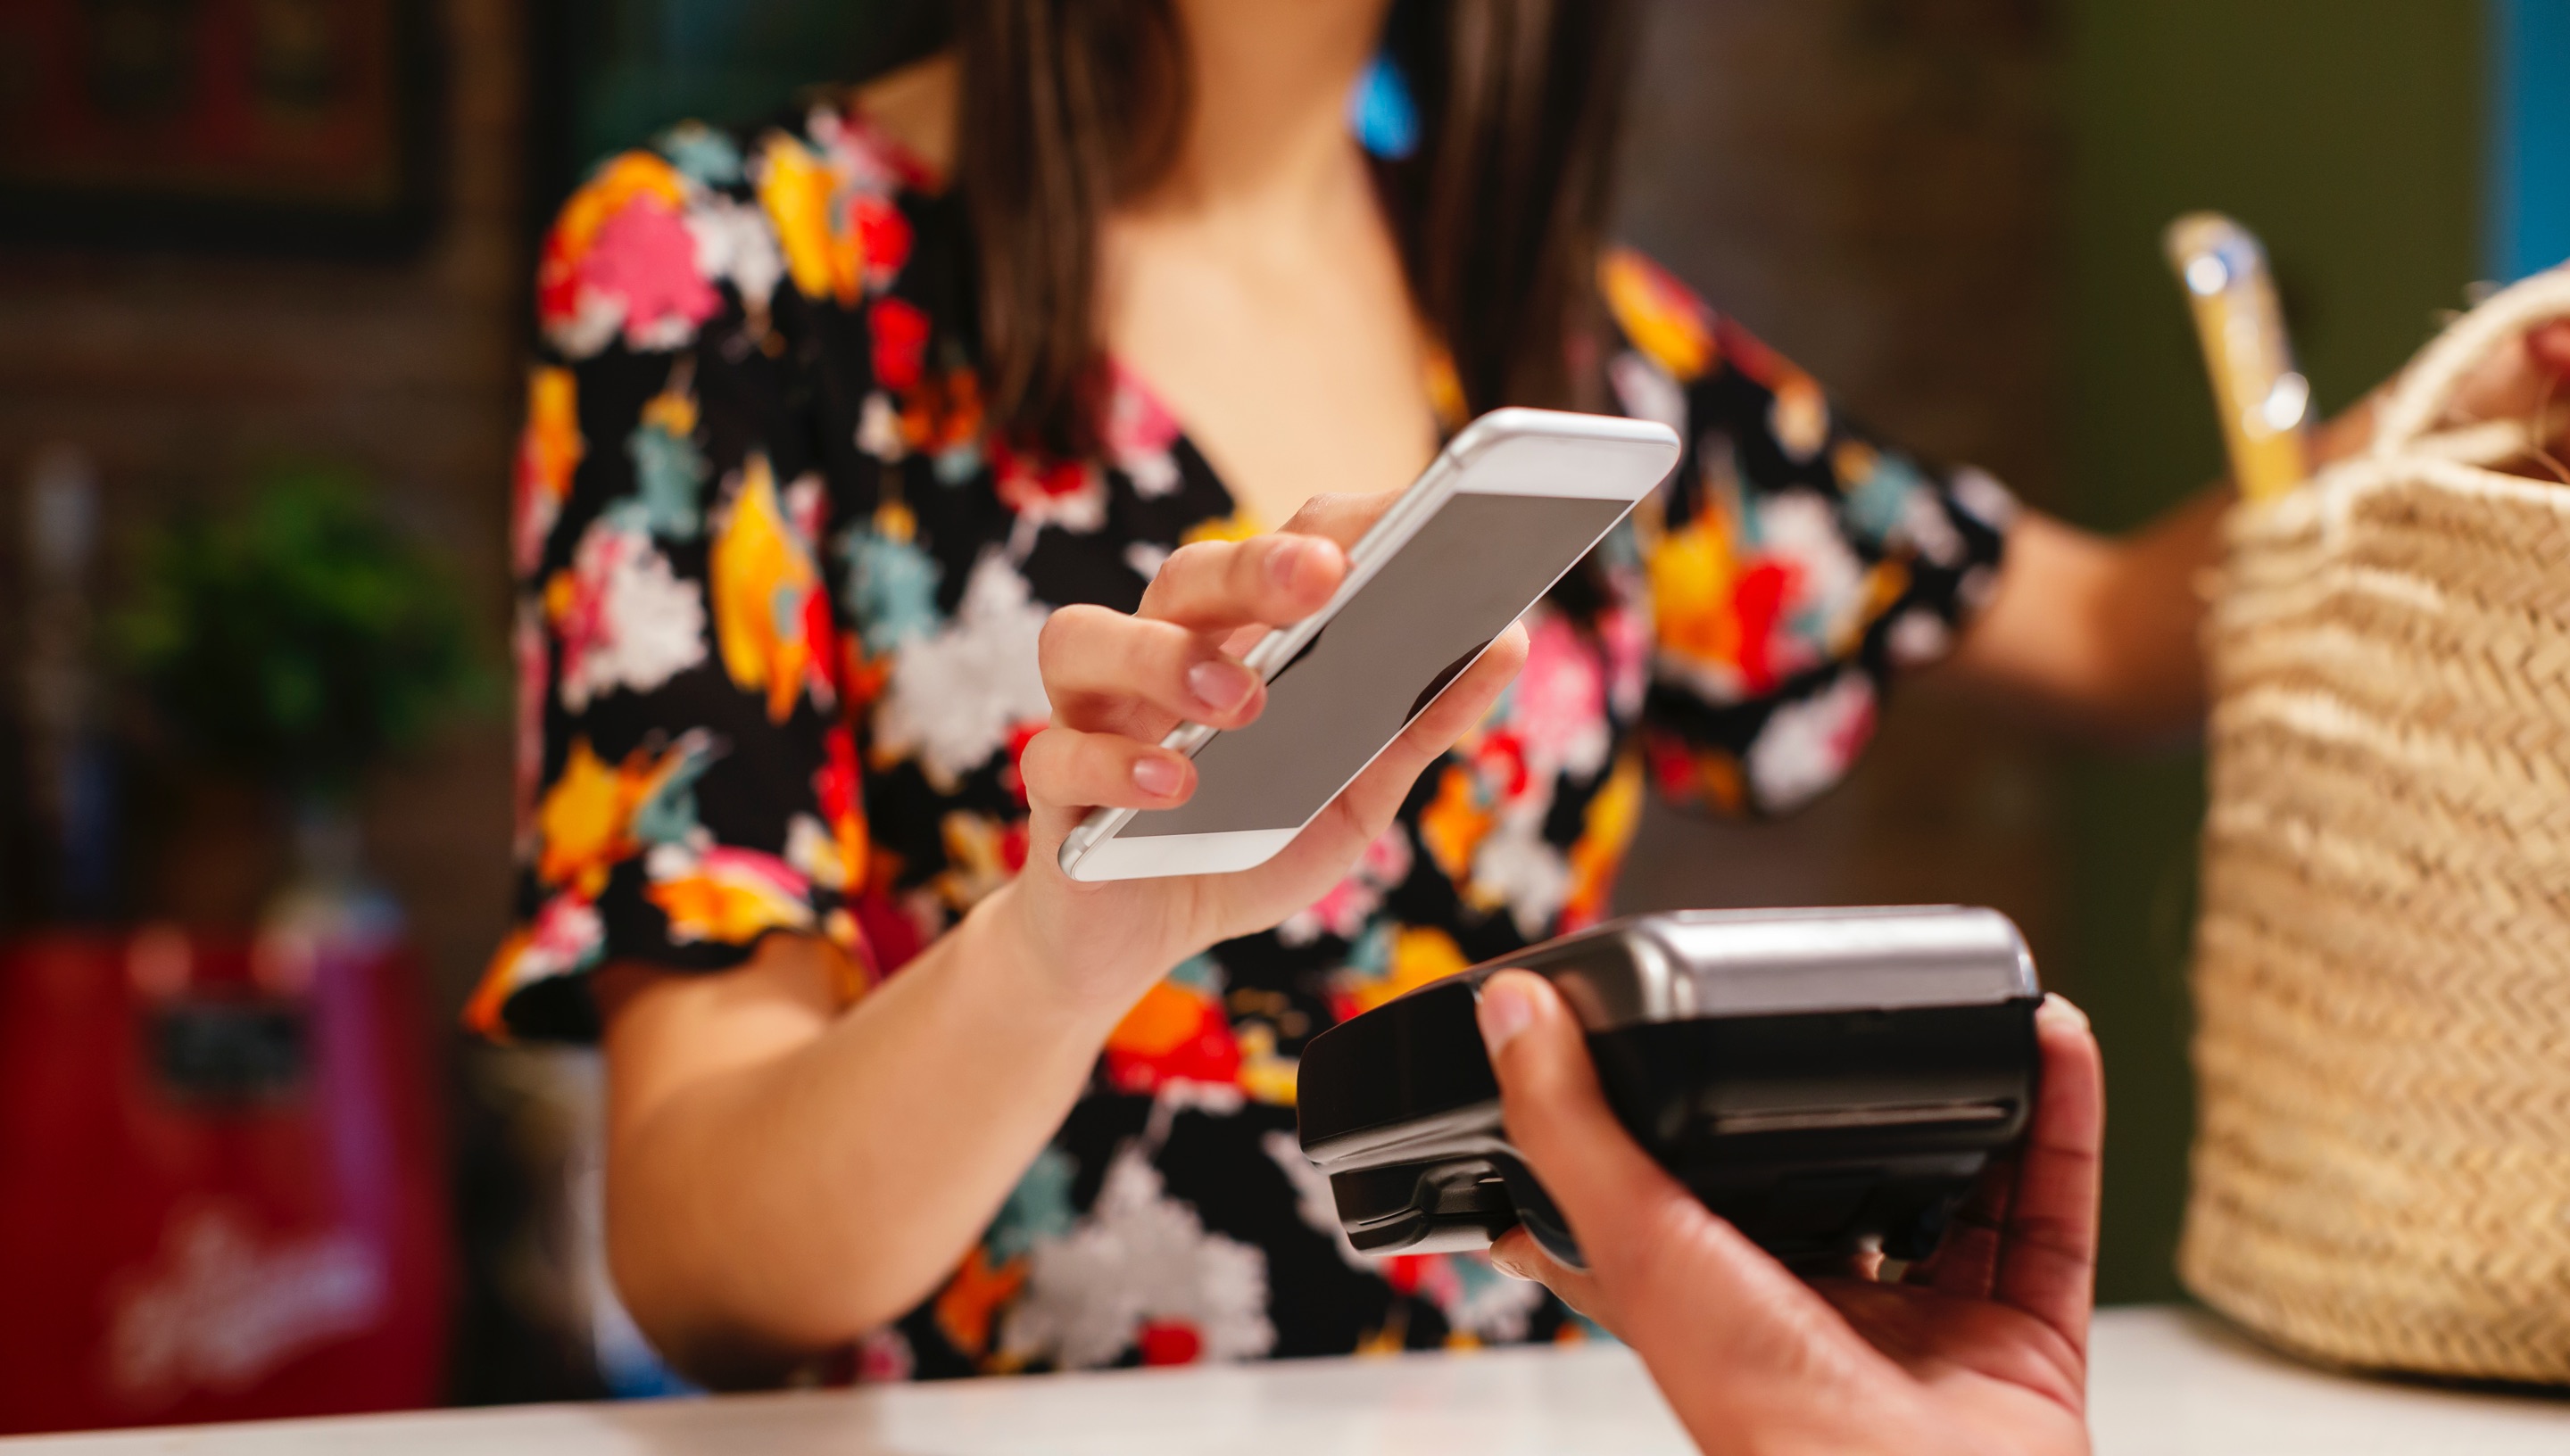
[(1144, 653), (1040, 776), (1180, 578), (1093, 634), (1060, 631), (1044, 750), (1318, 508), (1193, 560), (1088, 776), (1106, 753)]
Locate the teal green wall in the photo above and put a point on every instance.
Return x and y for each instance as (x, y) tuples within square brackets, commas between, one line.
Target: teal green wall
[(638, 64), (2526, 214), (2348, 134)]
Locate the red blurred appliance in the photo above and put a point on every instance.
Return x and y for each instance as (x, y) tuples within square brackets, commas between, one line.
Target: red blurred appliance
[(220, 1182)]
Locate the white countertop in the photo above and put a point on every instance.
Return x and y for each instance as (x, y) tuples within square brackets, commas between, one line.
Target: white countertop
[(2162, 1382)]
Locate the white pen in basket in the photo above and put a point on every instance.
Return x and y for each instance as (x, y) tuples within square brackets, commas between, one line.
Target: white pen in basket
[(2263, 399)]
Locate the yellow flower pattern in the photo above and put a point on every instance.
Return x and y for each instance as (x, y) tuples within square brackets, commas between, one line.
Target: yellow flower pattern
[(824, 257), (763, 582)]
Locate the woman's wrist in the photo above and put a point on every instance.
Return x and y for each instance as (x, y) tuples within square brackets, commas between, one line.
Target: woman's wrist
[(1080, 978)]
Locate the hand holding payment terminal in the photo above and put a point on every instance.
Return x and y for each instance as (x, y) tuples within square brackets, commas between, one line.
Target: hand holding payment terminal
[(1828, 1081)]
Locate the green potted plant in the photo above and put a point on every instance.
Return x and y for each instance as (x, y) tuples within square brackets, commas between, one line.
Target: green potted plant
[(290, 646)]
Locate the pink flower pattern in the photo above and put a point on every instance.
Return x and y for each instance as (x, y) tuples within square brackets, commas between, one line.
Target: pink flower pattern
[(644, 258)]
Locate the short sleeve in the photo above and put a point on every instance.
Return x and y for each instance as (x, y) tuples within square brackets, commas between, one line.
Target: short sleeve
[(1795, 563), (687, 782)]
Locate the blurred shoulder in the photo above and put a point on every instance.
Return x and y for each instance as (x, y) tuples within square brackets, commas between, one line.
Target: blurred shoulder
[(917, 109), (659, 240), (1657, 315), (1672, 346), (1667, 322)]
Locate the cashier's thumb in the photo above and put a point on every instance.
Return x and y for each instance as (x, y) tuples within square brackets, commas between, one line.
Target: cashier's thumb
[(1556, 1112), (1686, 1285)]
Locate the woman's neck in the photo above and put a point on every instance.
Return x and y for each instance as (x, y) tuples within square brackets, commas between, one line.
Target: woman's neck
[(1268, 128), (1259, 288)]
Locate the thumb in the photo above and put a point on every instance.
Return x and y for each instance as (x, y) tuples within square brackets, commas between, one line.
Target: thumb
[(1557, 1116), (1679, 1278)]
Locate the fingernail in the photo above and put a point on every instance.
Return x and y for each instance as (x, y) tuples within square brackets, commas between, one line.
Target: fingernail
[(1158, 777), (1286, 561), (1508, 1267), (1506, 1009), (1219, 685)]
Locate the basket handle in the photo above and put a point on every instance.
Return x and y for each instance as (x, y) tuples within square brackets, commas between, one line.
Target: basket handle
[(2426, 392)]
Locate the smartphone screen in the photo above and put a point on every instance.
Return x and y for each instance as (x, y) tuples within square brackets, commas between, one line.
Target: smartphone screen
[(1442, 597)]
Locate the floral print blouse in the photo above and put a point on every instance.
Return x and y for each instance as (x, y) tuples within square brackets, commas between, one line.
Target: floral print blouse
[(775, 645)]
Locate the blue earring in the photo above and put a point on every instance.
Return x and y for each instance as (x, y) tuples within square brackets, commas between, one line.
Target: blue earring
[(1381, 112)]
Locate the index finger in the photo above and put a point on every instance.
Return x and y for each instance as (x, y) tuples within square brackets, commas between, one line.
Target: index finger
[(1269, 579), (1341, 519), (1217, 584), (2048, 1263)]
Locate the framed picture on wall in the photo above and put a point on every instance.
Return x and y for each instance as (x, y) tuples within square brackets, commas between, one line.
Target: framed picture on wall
[(301, 126)]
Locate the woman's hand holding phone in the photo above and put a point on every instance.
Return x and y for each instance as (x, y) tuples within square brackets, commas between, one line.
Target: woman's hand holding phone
[(1120, 683)]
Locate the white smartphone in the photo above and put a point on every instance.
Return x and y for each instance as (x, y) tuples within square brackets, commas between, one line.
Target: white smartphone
[(1508, 506)]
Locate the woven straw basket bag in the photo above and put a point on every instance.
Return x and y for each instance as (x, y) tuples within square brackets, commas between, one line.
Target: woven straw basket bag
[(2381, 1169)]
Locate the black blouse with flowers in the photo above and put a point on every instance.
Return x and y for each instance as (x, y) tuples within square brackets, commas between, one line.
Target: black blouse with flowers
[(776, 651)]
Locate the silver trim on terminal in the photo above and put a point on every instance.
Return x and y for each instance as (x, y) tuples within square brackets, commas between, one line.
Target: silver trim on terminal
[(1699, 964)]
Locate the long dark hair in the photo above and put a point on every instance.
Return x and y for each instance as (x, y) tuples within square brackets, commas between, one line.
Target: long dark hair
[(1070, 107)]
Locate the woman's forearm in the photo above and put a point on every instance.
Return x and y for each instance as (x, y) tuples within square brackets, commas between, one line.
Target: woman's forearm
[(814, 1177), (785, 1174), (2101, 632)]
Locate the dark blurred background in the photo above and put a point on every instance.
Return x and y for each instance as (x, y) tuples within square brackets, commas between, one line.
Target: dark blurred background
[(1948, 209)]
